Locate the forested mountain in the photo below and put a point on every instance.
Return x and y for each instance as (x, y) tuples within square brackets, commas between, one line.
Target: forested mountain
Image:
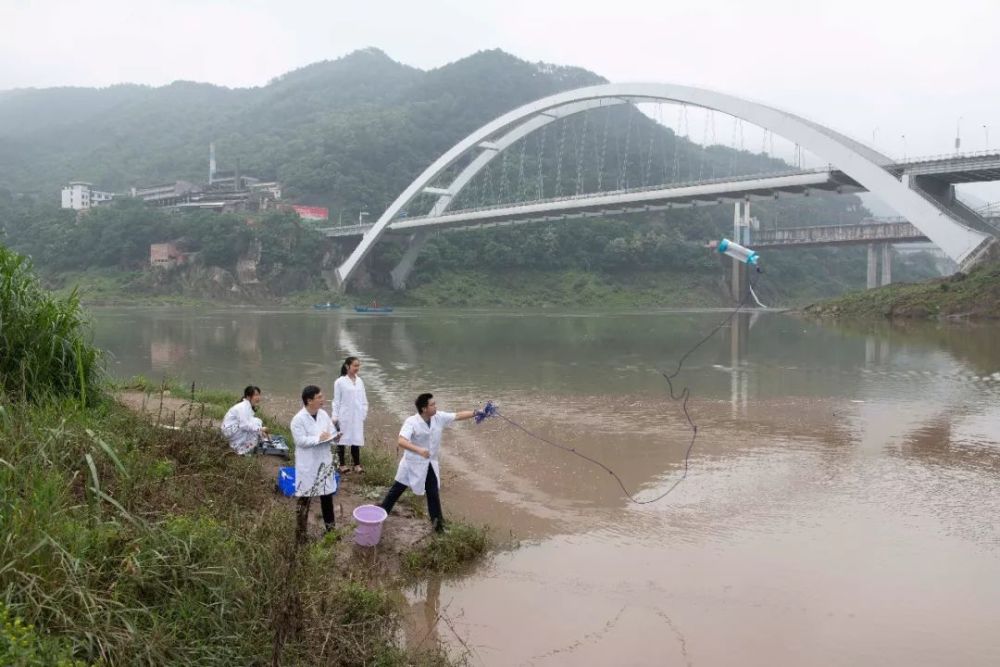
[(345, 133), (351, 134)]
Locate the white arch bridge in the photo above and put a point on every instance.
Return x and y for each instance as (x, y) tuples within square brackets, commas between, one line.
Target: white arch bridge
[(921, 191)]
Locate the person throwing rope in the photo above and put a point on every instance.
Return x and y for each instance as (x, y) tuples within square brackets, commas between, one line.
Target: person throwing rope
[(419, 469)]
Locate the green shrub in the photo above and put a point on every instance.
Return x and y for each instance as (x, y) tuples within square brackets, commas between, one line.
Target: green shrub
[(22, 646), (458, 546), (44, 342)]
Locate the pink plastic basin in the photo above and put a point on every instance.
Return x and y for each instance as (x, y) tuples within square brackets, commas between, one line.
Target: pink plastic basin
[(369, 530)]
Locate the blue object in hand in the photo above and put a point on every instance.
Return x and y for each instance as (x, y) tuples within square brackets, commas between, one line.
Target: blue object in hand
[(488, 411)]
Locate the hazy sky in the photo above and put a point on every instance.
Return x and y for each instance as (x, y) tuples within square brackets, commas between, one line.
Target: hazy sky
[(874, 69)]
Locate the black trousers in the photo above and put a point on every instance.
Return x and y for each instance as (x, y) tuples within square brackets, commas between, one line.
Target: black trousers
[(433, 498), (355, 454), (325, 504)]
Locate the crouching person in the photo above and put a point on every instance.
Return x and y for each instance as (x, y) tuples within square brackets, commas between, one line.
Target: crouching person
[(419, 469), (314, 434), (240, 427)]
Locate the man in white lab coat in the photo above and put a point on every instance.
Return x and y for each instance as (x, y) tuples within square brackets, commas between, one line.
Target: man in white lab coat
[(240, 427), (419, 469), (314, 433)]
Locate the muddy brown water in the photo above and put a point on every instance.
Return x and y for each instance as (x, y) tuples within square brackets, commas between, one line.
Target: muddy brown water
[(840, 506)]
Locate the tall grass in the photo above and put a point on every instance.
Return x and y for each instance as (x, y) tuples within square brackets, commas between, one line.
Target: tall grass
[(128, 544), (136, 545), (44, 342)]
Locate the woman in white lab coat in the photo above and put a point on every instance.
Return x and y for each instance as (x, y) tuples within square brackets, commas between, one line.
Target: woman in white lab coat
[(350, 409), (240, 426), (313, 432)]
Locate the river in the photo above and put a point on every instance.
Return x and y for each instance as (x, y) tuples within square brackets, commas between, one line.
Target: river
[(840, 507)]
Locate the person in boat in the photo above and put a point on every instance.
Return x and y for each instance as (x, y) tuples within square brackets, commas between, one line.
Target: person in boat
[(419, 470), (314, 433), (241, 427), (349, 410)]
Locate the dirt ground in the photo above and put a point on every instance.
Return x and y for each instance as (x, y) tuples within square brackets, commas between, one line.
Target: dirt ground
[(404, 528)]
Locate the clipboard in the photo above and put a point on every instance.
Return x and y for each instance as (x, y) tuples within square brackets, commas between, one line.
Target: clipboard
[(331, 441)]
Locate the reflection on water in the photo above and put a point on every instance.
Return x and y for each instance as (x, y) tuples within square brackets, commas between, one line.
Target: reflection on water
[(839, 508)]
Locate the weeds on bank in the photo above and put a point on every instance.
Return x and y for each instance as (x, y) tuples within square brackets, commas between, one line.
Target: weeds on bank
[(21, 645), (199, 402), (448, 552), (122, 563), (45, 346), (131, 544)]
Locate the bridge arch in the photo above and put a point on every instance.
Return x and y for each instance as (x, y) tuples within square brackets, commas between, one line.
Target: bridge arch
[(862, 163)]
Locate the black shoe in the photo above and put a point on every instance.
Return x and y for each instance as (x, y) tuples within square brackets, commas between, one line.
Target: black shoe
[(330, 527), (439, 525)]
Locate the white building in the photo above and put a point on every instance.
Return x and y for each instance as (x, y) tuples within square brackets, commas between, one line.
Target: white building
[(79, 195)]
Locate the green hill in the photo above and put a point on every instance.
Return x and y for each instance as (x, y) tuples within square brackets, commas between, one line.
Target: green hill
[(352, 133)]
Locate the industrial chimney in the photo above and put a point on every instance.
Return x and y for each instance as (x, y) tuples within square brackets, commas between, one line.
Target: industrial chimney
[(211, 162)]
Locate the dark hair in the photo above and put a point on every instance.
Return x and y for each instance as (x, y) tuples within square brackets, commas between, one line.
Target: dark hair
[(347, 364), (250, 391), (422, 401), (309, 393)]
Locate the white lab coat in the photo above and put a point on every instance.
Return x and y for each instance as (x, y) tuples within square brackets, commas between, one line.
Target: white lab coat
[(412, 470), (313, 460), (241, 428), (350, 408)]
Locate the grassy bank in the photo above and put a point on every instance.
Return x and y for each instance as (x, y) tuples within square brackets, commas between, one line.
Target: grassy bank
[(467, 288), (975, 295), (528, 289), (523, 288), (125, 542), (129, 543)]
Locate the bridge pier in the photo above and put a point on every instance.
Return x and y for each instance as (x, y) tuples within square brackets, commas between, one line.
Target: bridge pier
[(872, 281), (874, 250), (402, 271), (741, 235), (886, 264)]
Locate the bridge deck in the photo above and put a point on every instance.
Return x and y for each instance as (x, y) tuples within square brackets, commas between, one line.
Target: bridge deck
[(637, 200), (966, 168), (896, 231)]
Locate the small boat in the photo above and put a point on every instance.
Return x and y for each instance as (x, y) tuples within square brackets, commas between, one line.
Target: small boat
[(373, 308), (326, 306)]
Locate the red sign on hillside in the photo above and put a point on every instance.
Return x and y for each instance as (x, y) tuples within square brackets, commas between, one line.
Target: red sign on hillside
[(312, 212)]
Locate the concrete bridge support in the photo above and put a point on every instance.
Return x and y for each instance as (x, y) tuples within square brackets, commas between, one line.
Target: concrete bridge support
[(402, 271), (886, 264), (874, 251), (741, 235)]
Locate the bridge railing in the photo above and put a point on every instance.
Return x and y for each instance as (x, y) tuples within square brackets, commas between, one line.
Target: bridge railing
[(868, 231), (991, 210), (945, 157)]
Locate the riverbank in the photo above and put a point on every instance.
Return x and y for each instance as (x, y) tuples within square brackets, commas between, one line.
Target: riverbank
[(473, 289), (975, 295), (136, 537)]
